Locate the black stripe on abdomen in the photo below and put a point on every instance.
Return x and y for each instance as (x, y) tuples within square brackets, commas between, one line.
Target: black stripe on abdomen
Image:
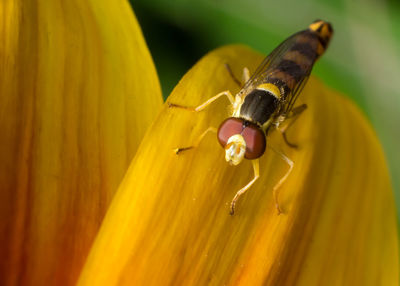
[(305, 49), (291, 68), (324, 42)]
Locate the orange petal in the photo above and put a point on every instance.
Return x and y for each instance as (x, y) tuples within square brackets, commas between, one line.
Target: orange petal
[(78, 89), (169, 223)]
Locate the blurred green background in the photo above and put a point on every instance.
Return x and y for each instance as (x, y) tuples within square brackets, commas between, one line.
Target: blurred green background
[(363, 60)]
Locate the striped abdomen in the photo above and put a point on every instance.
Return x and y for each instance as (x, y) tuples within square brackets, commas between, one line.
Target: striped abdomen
[(300, 55), (283, 71)]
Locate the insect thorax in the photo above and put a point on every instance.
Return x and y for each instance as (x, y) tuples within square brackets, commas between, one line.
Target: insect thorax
[(259, 105)]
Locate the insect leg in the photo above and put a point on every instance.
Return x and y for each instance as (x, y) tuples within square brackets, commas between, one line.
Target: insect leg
[(205, 104), (228, 67), (245, 76), (283, 179), (256, 169), (197, 142), (293, 115)]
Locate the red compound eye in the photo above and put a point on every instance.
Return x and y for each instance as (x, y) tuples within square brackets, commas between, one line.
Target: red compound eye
[(252, 134), (228, 128), (255, 141)]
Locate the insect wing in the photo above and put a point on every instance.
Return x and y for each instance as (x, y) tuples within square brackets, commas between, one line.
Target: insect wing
[(294, 94), (268, 65)]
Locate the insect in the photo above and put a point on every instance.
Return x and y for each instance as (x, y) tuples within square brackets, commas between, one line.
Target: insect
[(266, 100)]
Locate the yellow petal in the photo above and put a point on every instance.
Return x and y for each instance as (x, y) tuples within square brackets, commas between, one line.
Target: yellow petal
[(169, 223), (77, 91)]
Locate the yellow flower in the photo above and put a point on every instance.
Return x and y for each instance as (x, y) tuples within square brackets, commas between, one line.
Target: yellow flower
[(78, 89), (169, 222)]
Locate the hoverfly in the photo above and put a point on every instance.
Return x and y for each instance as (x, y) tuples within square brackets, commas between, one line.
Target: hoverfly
[(267, 99)]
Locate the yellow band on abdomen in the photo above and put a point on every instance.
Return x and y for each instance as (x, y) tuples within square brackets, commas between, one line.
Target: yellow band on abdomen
[(272, 88)]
